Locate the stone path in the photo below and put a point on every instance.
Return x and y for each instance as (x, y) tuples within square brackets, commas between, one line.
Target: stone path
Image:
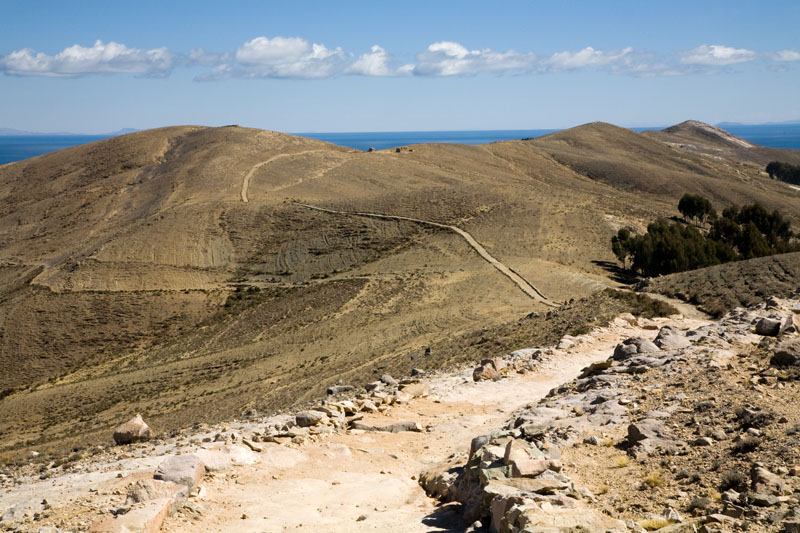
[(367, 481)]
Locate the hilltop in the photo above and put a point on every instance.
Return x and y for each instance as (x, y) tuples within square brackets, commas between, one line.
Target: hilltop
[(173, 271)]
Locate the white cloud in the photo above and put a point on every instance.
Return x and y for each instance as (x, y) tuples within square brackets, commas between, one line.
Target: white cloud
[(786, 55), (717, 55), (588, 57), (446, 58), (292, 57), (377, 62), (295, 57), (102, 58)]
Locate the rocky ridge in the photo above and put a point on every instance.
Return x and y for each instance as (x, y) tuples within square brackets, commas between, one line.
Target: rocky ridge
[(689, 431)]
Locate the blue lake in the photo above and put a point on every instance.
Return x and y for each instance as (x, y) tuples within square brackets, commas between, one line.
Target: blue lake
[(16, 148)]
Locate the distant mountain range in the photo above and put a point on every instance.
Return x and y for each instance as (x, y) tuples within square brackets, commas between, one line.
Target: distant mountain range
[(8, 132)]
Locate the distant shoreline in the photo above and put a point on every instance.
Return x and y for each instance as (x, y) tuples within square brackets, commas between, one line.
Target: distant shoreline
[(19, 147)]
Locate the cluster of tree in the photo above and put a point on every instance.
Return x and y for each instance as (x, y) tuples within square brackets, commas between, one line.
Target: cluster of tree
[(784, 172), (695, 207), (738, 234)]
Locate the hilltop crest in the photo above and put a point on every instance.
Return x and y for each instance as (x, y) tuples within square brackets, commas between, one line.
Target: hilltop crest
[(707, 132)]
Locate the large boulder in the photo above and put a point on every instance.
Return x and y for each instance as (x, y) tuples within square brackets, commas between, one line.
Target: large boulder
[(484, 373), (182, 469), (306, 419), (489, 369), (134, 430), (768, 327), (647, 429), (787, 353), (634, 346), (151, 489), (791, 326), (671, 338)]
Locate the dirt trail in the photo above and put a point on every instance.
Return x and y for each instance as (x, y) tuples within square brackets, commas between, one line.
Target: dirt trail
[(526, 286), (687, 310), (357, 481), (249, 175)]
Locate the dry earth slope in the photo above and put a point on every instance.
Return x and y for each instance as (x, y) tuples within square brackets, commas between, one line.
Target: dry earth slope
[(135, 278)]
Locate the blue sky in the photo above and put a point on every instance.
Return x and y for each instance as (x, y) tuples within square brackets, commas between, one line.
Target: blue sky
[(379, 66)]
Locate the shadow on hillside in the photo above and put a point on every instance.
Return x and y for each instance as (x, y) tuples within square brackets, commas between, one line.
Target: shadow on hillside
[(446, 518), (617, 273)]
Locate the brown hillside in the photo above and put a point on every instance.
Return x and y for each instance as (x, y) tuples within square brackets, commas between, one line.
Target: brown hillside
[(151, 270), (700, 138)]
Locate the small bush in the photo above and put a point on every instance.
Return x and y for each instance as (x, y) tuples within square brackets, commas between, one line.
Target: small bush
[(621, 461), (699, 503), (746, 445), (754, 419), (653, 480), (733, 480)]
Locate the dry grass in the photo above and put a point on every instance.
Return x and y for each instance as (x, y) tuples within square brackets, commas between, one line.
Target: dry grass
[(654, 480), (654, 524)]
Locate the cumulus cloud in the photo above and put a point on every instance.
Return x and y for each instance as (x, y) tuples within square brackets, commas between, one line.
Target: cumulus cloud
[(295, 57), (588, 57), (717, 55), (377, 62), (292, 57), (446, 58), (102, 58), (786, 55)]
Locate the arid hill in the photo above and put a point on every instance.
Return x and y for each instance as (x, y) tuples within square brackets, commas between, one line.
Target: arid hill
[(172, 272), (701, 138)]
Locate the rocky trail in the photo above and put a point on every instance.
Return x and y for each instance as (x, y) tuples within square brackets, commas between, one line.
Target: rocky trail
[(335, 473), (526, 286), (671, 424)]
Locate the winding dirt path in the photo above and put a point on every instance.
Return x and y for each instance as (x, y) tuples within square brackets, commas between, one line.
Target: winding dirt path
[(524, 285), (249, 175)]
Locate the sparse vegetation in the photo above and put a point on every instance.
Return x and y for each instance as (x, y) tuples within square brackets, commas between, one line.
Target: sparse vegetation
[(720, 288)]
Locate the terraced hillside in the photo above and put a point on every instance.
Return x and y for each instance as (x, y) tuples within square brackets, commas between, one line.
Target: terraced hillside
[(151, 271)]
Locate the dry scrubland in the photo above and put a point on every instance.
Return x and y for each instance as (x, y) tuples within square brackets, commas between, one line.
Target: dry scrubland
[(135, 278), (720, 288)]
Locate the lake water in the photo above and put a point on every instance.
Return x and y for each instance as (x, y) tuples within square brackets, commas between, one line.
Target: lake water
[(16, 148)]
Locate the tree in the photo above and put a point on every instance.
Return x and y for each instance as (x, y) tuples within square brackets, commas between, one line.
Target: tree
[(696, 207), (621, 245), (784, 172), (740, 233), (772, 168)]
